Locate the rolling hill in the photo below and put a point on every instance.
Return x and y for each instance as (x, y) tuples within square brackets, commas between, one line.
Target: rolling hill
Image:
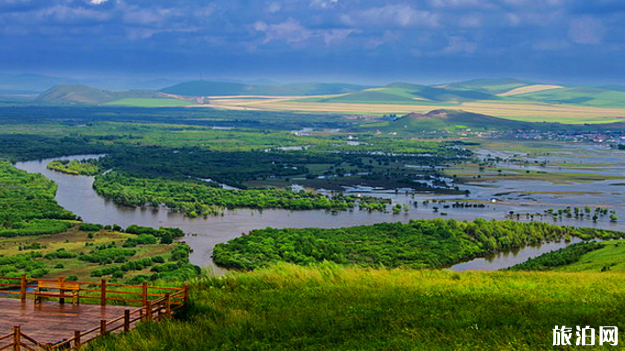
[(492, 86), (210, 88), (82, 94), (409, 94), (452, 120), (579, 95)]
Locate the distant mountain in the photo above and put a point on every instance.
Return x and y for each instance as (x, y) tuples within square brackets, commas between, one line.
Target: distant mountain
[(491, 86), (212, 88), (28, 83), (608, 96), (406, 93), (82, 94)]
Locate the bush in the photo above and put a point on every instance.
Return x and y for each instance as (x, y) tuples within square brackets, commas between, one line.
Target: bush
[(88, 227)]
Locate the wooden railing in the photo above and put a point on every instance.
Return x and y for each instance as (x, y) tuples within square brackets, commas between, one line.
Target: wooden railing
[(155, 306), (102, 292)]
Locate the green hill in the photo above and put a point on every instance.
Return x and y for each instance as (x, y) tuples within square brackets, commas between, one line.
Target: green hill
[(405, 93), (492, 86), (328, 307), (581, 257), (82, 94), (458, 119), (587, 96), (209, 88)]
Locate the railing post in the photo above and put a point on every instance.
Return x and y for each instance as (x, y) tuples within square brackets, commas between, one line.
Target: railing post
[(144, 293), (103, 327), (168, 305), (23, 288), (126, 321), (77, 336), (148, 310), (17, 338), (61, 291), (186, 293), (103, 293)]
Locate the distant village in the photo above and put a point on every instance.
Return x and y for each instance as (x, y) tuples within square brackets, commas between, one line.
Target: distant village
[(613, 138)]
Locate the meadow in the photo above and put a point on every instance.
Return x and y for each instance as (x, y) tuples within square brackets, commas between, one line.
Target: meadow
[(329, 307)]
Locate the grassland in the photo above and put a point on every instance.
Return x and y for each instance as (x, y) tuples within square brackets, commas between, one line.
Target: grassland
[(73, 244), (515, 110), (335, 308), (605, 256), (139, 102), (530, 89), (611, 257), (473, 173)]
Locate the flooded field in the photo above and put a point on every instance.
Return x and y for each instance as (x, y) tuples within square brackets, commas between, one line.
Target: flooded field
[(499, 198)]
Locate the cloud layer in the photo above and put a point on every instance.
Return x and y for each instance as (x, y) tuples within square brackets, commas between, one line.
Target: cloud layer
[(368, 38)]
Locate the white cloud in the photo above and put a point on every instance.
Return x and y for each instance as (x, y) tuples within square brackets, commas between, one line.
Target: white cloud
[(398, 15), (66, 14), (290, 31), (587, 31), (471, 21), (274, 7), (335, 36), (135, 33), (323, 4), (551, 45), (294, 33), (389, 36), (534, 3), (460, 3), (206, 11), (459, 45), (97, 2), (11, 2), (513, 19), (145, 17)]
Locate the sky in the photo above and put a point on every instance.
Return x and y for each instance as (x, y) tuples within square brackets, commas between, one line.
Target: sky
[(363, 41)]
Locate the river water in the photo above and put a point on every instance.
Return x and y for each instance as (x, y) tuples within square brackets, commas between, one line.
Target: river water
[(76, 194)]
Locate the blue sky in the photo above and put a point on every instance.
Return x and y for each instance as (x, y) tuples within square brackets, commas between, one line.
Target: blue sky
[(355, 40)]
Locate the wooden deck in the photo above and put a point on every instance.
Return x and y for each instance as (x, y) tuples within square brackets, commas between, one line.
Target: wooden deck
[(50, 322)]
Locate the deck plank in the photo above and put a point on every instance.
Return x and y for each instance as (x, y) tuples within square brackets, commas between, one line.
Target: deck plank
[(50, 322)]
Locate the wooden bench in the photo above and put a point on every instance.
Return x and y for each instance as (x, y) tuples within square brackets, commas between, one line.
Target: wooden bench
[(59, 289)]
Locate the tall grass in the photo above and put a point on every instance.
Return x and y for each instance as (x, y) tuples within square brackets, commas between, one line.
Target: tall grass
[(287, 307)]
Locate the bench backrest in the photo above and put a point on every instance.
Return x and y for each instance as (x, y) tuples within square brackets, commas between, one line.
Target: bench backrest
[(55, 284)]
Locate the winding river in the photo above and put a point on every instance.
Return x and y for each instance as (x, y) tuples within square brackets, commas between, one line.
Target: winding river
[(76, 194)]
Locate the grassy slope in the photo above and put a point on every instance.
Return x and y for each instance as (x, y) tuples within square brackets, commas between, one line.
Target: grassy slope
[(451, 120), (585, 96), (493, 86), (332, 308), (403, 93), (81, 94), (612, 255)]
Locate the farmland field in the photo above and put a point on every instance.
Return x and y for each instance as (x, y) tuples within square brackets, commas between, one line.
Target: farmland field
[(520, 111)]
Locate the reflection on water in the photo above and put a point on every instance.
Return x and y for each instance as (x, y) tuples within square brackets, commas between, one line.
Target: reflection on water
[(509, 258), (76, 194)]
